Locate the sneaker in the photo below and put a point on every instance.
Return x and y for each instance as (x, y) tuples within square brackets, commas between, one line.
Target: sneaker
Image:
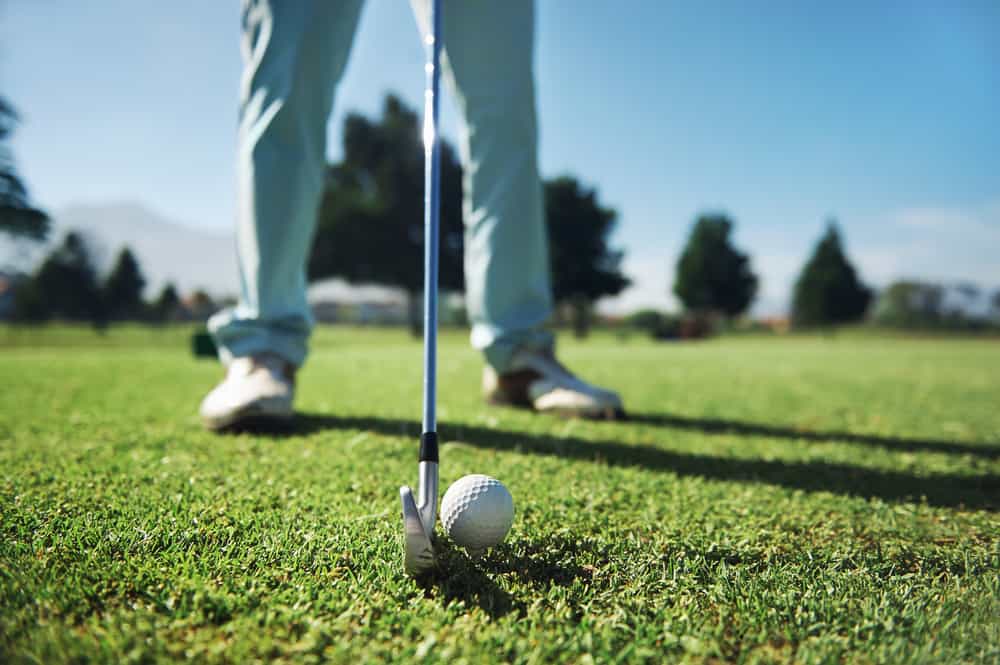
[(538, 381), (257, 389)]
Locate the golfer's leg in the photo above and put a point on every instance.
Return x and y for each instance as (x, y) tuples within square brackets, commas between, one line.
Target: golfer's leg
[(489, 48), (294, 53)]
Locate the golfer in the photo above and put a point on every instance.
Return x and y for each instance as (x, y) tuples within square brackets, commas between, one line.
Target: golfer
[(294, 53)]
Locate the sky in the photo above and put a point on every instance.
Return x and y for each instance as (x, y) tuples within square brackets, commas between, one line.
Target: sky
[(883, 115)]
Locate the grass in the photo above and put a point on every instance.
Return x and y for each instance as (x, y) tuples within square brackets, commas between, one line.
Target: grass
[(820, 500)]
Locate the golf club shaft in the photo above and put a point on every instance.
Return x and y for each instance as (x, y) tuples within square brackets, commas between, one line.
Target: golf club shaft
[(419, 516), (432, 174)]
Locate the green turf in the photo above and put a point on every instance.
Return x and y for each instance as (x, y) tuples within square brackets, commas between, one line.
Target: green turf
[(772, 500)]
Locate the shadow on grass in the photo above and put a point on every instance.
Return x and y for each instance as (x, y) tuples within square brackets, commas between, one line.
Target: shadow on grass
[(743, 428), (946, 490), (458, 579), (539, 564), (542, 563)]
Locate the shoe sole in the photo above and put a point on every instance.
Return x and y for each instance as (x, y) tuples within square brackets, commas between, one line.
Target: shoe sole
[(609, 414), (251, 418), (606, 413)]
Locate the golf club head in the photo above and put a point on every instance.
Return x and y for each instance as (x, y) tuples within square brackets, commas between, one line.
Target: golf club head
[(418, 555)]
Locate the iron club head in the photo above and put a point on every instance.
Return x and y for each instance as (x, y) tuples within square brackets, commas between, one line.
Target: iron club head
[(418, 556)]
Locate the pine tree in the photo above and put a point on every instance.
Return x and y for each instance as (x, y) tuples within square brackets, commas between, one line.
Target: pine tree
[(166, 304), (828, 290), (64, 287), (123, 288), (712, 275)]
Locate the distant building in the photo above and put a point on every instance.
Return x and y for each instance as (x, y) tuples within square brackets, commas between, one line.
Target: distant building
[(336, 301), (326, 311), (197, 306), (381, 313)]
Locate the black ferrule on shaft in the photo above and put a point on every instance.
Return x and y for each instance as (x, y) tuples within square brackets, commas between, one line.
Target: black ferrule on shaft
[(429, 447)]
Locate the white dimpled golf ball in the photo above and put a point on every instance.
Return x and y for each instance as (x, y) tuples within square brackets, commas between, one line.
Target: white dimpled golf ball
[(477, 512)]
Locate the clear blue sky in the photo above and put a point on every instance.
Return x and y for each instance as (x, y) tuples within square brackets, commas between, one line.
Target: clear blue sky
[(884, 114)]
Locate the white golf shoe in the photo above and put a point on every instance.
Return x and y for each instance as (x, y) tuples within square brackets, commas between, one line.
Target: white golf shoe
[(538, 381), (257, 389)]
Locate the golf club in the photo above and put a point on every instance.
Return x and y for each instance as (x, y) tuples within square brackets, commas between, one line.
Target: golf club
[(419, 515)]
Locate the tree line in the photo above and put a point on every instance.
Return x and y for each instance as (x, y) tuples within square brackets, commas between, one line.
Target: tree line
[(714, 280), (713, 277), (66, 287), (369, 230)]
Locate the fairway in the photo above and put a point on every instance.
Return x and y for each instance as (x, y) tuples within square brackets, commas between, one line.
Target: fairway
[(801, 499)]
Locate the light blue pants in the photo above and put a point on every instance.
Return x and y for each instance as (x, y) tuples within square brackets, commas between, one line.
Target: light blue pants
[(294, 53)]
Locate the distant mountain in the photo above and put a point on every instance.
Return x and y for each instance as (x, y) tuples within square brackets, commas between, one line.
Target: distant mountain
[(191, 258)]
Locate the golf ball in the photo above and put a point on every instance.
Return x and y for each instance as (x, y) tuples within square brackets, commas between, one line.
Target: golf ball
[(477, 512)]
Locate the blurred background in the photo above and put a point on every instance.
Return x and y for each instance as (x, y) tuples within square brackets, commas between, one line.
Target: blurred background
[(708, 167)]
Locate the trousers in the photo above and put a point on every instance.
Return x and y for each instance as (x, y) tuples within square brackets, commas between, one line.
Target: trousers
[(294, 54)]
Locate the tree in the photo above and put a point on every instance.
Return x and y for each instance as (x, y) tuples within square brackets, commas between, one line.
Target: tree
[(712, 275), (370, 226), (910, 304), (64, 287), (584, 266), (165, 306), (828, 290), (123, 288), (18, 218), (927, 305)]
